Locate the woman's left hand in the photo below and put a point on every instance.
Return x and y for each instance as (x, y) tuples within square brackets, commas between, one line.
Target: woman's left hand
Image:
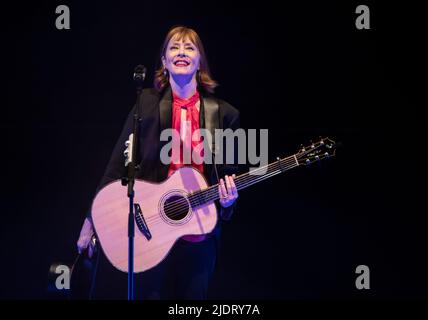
[(227, 191)]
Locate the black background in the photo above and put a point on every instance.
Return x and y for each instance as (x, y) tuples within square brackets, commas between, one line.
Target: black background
[(299, 69)]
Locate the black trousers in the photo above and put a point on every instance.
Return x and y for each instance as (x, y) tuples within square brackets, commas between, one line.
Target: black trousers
[(184, 274)]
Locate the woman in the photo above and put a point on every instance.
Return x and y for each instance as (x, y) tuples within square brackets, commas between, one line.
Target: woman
[(181, 100)]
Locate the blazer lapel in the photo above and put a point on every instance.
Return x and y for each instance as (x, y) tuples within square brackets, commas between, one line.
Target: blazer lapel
[(165, 110), (209, 119), (165, 122)]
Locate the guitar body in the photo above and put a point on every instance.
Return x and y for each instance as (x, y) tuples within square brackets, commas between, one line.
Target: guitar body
[(166, 211)]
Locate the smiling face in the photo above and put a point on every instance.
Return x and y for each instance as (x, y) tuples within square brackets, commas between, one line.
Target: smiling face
[(181, 57)]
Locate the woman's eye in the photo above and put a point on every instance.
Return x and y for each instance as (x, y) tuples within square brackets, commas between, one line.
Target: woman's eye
[(174, 48), (190, 48)]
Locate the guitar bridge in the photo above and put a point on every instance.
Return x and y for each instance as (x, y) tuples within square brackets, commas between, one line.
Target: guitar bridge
[(141, 222)]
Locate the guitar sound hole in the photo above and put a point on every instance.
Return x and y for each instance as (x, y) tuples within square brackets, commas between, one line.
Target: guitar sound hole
[(176, 207)]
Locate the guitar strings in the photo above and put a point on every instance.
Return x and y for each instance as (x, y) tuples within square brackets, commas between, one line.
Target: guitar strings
[(241, 181), (286, 161), (281, 162), (248, 179), (211, 193), (154, 220)]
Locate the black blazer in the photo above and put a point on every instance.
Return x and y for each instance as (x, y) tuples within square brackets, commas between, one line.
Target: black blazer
[(156, 116)]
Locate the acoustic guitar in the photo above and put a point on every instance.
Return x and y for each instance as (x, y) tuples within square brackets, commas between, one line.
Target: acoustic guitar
[(181, 205)]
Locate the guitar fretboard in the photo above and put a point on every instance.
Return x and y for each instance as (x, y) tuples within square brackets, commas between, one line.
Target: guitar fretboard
[(201, 197)]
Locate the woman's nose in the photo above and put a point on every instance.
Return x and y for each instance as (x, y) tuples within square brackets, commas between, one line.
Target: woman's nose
[(181, 52)]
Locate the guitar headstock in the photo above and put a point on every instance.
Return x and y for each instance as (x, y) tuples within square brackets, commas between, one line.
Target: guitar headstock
[(324, 148)]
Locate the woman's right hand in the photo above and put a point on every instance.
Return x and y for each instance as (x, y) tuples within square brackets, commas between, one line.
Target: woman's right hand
[(85, 239)]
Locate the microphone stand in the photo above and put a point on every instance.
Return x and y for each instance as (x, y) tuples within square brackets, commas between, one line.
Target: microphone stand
[(139, 75)]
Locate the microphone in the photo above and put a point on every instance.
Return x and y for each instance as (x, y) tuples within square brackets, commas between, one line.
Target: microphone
[(139, 74)]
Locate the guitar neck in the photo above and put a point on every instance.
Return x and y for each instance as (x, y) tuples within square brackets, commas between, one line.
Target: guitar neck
[(245, 180)]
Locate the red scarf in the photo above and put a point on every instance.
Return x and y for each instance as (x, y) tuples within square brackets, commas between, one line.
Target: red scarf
[(186, 147)]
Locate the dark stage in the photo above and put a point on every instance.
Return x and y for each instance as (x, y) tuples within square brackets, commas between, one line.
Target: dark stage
[(301, 70)]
